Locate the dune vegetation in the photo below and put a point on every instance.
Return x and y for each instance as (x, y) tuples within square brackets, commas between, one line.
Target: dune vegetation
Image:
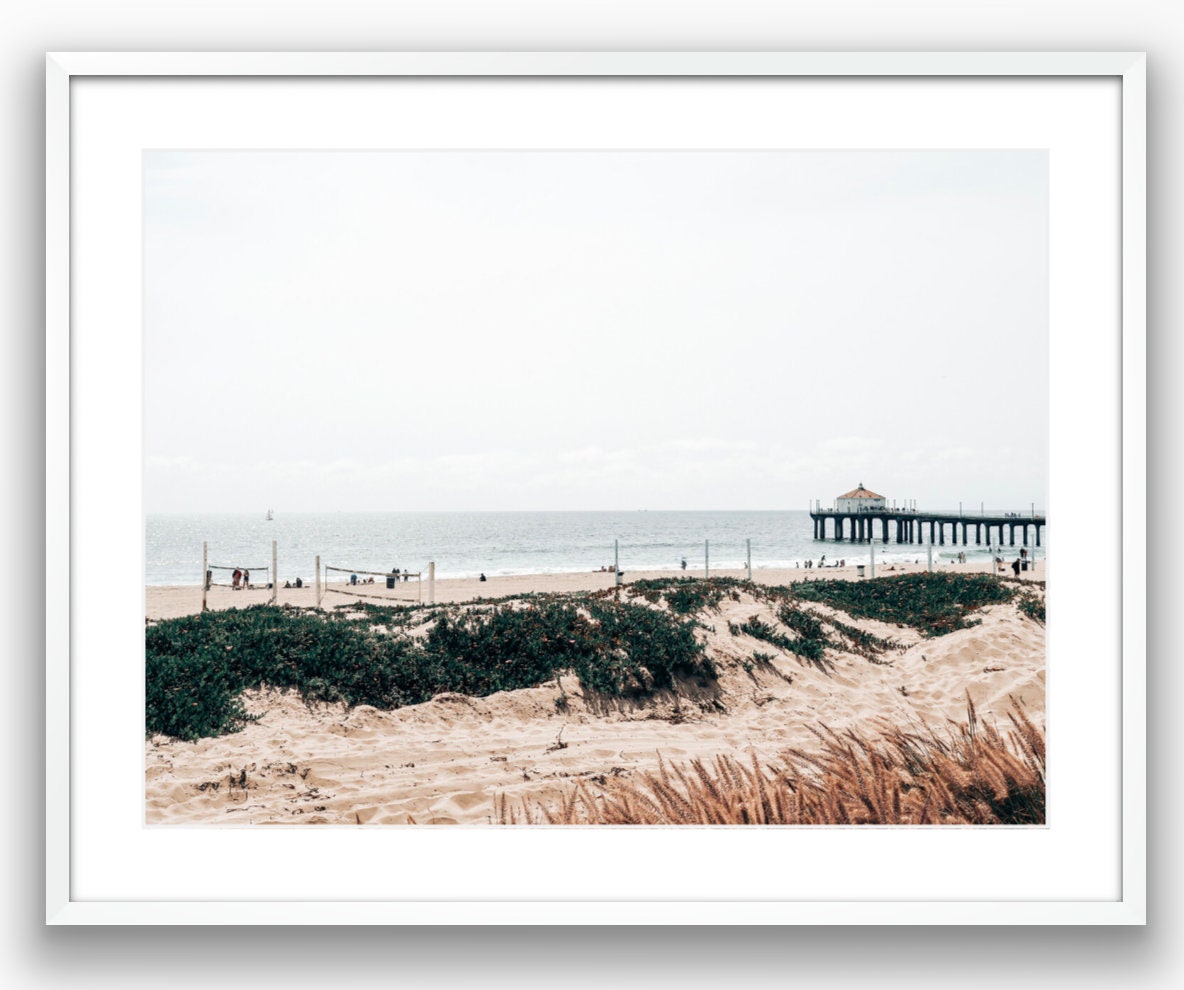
[(973, 773), (628, 641)]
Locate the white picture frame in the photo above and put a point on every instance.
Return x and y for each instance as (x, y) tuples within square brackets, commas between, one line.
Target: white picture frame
[(71, 547)]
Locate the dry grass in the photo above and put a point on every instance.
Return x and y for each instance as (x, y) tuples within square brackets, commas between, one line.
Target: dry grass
[(972, 773)]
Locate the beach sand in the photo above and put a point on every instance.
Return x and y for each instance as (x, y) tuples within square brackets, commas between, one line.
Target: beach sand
[(443, 762), (170, 601)]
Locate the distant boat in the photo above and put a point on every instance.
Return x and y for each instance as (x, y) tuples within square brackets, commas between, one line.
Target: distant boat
[(270, 515)]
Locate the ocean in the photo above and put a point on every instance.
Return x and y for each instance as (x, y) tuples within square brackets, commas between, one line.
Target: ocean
[(465, 544)]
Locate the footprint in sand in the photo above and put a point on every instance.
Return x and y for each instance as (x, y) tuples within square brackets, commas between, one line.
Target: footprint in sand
[(465, 800)]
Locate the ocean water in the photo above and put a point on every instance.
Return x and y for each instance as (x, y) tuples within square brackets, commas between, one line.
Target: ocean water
[(464, 544)]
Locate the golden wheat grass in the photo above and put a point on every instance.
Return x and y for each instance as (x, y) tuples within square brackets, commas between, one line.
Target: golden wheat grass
[(970, 773)]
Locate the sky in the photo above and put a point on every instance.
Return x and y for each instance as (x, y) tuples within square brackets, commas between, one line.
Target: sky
[(386, 331)]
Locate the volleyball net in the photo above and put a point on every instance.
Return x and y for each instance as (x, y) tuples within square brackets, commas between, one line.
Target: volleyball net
[(379, 586), (237, 576)]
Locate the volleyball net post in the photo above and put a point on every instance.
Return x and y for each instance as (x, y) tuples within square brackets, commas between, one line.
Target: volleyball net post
[(317, 580), (205, 573), (275, 574)]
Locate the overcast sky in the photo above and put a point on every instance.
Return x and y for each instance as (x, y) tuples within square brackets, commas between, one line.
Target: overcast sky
[(593, 330)]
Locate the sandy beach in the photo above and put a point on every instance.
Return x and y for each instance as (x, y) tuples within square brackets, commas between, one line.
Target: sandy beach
[(444, 761), (170, 601)]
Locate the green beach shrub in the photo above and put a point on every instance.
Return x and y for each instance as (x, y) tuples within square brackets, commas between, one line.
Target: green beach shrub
[(197, 667), (934, 604)]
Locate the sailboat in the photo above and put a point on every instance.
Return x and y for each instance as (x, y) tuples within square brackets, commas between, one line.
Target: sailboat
[(270, 515)]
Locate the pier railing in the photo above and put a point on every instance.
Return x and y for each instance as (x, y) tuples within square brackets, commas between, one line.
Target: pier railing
[(970, 514)]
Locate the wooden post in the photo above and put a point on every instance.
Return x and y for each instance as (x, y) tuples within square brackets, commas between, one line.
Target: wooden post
[(748, 544), (316, 580), (205, 573), (617, 561), (706, 559), (275, 574), (432, 582), (930, 549), (872, 548)]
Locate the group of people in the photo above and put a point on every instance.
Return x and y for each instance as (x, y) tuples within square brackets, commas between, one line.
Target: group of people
[(299, 584), (809, 564), (1020, 563), (394, 573), (240, 580)]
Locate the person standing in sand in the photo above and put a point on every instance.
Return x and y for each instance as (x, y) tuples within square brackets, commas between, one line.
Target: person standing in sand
[(246, 580), (235, 578)]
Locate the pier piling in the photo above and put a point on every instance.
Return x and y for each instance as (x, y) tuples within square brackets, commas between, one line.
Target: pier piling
[(860, 527)]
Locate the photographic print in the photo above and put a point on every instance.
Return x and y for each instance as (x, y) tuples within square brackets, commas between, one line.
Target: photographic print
[(504, 488)]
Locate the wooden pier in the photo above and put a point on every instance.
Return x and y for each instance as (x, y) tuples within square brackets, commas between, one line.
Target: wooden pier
[(861, 527)]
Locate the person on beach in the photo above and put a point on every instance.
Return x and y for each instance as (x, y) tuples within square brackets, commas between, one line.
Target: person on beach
[(235, 578), (299, 583), (484, 578), (246, 579), (683, 563), (1015, 567)]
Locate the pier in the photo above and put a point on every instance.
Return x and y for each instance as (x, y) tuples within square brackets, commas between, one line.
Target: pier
[(910, 526)]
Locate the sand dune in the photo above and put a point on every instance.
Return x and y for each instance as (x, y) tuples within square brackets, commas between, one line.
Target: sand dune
[(443, 762)]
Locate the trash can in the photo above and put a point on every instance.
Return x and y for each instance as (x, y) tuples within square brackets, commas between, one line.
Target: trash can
[(860, 569), (1023, 565), (390, 580)]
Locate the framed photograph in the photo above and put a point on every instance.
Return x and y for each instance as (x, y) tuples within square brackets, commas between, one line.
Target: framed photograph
[(595, 488)]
